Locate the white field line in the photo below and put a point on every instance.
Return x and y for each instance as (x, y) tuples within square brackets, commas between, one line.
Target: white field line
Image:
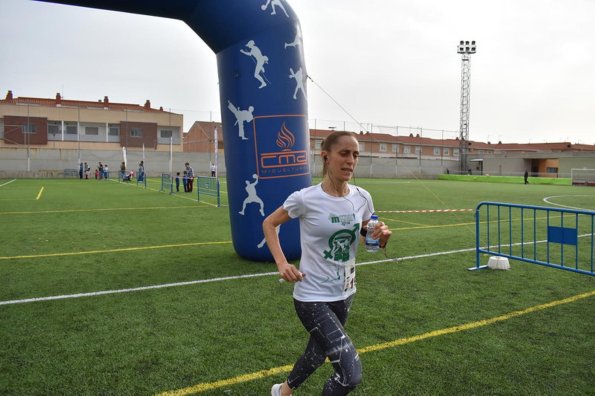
[(195, 282), (134, 289), (548, 200), (8, 182), (229, 278)]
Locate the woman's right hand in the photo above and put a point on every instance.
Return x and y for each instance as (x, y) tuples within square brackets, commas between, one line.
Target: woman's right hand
[(290, 273)]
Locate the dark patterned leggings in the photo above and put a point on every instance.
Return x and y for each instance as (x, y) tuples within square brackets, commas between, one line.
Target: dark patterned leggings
[(324, 321)]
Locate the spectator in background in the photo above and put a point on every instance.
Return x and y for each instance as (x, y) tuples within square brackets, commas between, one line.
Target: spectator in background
[(177, 181), (100, 168), (81, 169), (122, 170), (185, 181), (213, 170), (87, 170), (190, 173), (141, 171), (526, 177), (105, 171)]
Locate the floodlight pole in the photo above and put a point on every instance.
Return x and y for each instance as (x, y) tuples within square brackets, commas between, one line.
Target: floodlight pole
[(465, 48)]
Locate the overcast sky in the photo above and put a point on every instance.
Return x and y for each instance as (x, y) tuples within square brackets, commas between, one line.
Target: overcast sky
[(389, 63)]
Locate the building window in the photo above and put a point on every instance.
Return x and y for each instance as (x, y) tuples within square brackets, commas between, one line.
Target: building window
[(455, 152), (71, 128), (446, 151), (136, 132), (362, 147), (407, 150), (114, 130), (317, 144), (395, 148), (551, 170), (92, 131), (166, 133), (436, 150), (54, 127), (382, 147), (418, 150), (29, 128)]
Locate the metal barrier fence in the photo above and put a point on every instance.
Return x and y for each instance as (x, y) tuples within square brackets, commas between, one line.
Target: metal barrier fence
[(167, 183), (208, 186), (553, 237)]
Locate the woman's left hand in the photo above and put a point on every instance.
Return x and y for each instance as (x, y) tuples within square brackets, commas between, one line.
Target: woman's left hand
[(382, 233)]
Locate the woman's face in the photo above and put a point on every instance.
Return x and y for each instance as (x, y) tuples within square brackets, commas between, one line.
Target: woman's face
[(342, 158)]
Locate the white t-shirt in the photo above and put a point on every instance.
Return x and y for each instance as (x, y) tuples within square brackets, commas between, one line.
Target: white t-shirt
[(329, 231)]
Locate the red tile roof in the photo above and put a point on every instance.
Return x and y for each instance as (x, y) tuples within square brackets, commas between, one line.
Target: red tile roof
[(59, 101), (474, 145)]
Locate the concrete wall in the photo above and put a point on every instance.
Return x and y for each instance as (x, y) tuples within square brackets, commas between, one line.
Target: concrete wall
[(505, 166), (375, 167), (515, 164), (43, 162), (48, 162), (566, 164), (40, 162)]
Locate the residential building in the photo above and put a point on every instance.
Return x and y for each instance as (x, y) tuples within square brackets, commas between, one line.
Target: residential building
[(61, 123)]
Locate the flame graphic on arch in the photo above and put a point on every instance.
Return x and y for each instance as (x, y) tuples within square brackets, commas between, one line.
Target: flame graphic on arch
[(285, 138)]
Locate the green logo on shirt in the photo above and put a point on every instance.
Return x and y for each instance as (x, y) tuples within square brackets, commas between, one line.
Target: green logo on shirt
[(339, 244), (343, 219)]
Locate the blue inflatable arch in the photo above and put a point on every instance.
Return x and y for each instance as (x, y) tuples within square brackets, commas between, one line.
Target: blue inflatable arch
[(262, 87)]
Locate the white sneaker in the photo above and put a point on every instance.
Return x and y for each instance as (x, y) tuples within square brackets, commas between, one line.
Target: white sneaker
[(276, 390)]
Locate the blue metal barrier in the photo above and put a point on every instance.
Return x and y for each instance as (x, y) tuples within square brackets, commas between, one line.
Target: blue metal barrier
[(553, 237), (208, 186)]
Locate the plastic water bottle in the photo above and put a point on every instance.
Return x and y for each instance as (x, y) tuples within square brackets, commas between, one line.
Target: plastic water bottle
[(372, 245)]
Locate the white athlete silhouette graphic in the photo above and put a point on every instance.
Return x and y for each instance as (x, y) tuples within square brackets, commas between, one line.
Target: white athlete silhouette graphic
[(252, 196), (260, 60), (296, 41), (241, 117), (274, 3), (299, 81)]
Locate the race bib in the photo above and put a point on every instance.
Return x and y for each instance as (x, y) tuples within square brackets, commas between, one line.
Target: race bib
[(349, 277)]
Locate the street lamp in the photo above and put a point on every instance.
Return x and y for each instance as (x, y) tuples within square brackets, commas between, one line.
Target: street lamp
[(465, 48)]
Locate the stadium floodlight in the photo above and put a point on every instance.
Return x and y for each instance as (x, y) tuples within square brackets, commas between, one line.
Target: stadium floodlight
[(466, 49)]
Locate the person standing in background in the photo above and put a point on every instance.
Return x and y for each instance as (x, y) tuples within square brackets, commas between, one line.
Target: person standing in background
[(185, 181), (141, 171), (190, 174)]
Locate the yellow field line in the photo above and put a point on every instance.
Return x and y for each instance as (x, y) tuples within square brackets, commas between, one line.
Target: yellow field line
[(230, 381), (39, 195), (128, 249), (474, 325), (206, 386), (422, 226), (100, 210)]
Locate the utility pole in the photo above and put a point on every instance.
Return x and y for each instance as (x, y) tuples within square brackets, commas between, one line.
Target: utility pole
[(465, 48)]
